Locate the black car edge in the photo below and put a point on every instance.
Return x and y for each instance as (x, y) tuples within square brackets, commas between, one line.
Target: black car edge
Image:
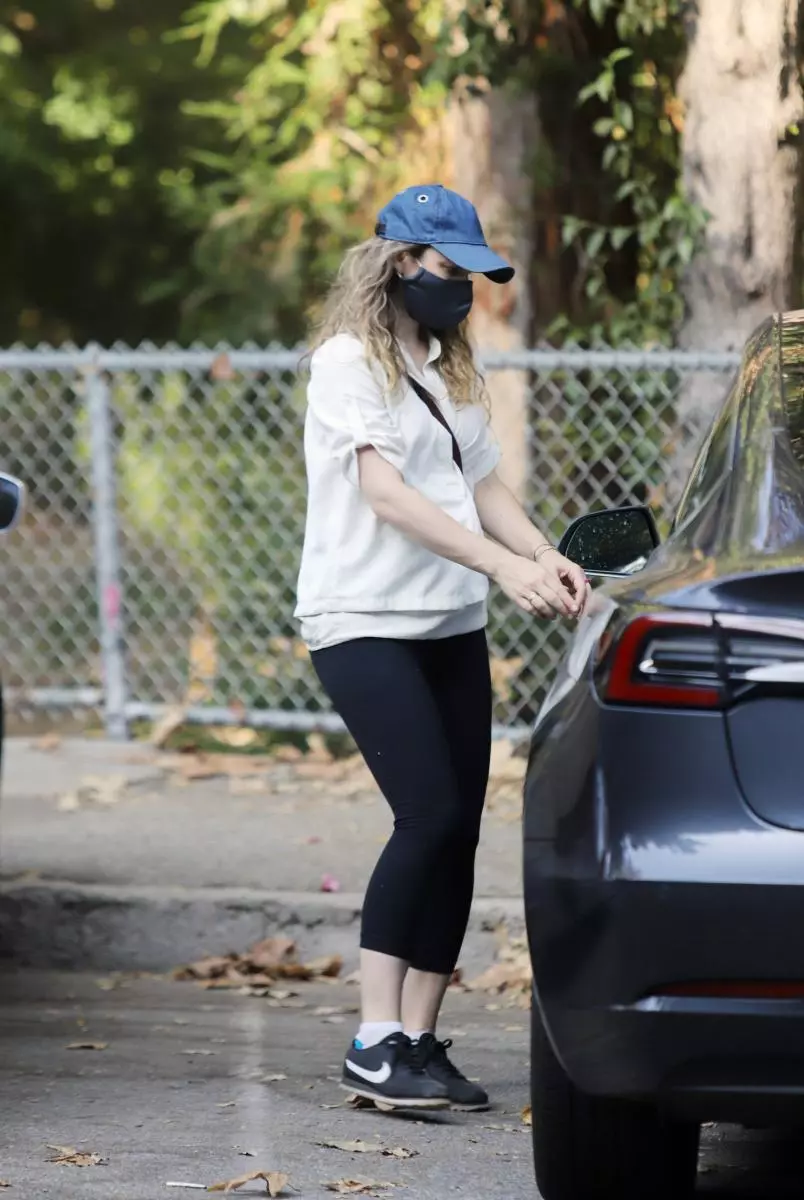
[(12, 495), (664, 815)]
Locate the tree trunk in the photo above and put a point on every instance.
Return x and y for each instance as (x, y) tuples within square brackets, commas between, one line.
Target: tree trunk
[(490, 139), (742, 92)]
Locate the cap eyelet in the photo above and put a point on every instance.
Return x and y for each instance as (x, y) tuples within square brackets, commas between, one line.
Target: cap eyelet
[(423, 198)]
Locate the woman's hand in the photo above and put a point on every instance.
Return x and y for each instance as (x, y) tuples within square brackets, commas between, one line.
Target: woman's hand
[(571, 575), (555, 588)]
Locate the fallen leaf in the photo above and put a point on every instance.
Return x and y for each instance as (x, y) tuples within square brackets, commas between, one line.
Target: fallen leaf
[(227, 1104), (48, 742), (511, 973), (4, 1183), (273, 1078), (503, 671), (329, 966), (317, 749), (206, 968), (169, 723), (527, 1115), (70, 1157), (330, 884), (202, 1053), (104, 790), (275, 1182), (237, 736), (87, 1046), (359, 1187), (271, 959), (271, 953), (288, 754), (221, 368), (358, 1146)]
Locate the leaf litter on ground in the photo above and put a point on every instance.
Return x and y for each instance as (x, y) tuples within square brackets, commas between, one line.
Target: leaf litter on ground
[(359, 1187), (102, 791), (510, 975), (259, 968), (358, 1146), (68, 1156), (87, 1046), (288, 768), (275, 1182)]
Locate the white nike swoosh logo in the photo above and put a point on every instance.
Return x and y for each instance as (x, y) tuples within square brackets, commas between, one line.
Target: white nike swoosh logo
[(379, 1076)]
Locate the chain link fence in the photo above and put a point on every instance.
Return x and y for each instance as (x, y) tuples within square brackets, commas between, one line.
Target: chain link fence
[(156, 565)]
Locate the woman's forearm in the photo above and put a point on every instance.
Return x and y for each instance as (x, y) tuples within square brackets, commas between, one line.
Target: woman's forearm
[(504, 518), (419, 518)]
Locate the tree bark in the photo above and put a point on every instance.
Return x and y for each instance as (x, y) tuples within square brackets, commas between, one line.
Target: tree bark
[(741, 163), (490, 138)]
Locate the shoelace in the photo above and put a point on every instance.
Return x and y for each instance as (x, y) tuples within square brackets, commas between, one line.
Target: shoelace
[(430, 1048), (406, 1052)]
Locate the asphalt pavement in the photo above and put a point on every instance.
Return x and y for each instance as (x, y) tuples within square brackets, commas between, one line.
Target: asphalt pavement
[(178, 1084)]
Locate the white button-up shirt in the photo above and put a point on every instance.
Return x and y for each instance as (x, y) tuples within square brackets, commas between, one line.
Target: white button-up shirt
[(353, 563)]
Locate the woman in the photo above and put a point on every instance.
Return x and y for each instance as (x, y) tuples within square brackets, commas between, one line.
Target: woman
[(392, 597)]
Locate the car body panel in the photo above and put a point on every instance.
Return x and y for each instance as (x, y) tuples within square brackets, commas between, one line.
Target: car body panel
[(664, 848)]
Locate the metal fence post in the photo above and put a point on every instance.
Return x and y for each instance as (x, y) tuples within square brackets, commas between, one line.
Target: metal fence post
[(107, 554)]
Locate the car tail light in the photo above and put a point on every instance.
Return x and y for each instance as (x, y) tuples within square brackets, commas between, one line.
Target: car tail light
[(695, 660), (785, 989)]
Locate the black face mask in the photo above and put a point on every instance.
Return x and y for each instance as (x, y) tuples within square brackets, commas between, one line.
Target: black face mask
[(437, 303)]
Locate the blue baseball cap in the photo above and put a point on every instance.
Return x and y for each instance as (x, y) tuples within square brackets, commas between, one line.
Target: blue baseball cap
[(434, 216)]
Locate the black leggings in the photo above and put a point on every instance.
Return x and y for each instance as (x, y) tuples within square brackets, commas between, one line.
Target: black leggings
[(420, 712)]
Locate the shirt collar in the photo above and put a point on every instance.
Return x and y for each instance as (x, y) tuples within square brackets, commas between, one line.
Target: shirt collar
[(433, 353)]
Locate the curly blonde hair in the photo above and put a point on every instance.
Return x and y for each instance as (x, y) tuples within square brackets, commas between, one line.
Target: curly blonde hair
[(359, 302)]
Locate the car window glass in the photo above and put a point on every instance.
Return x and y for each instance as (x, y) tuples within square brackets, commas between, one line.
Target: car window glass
[(793, 384), (714, 459)]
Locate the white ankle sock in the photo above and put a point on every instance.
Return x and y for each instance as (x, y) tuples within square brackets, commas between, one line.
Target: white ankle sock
[(371, 1033), (415, 1034)]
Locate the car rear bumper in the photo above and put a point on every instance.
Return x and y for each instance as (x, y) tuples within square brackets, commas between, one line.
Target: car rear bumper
[(728, 1061), (609, 958)]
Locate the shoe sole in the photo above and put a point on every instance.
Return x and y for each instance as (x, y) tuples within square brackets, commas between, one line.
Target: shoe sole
[(392, 1102), (471, 1107)]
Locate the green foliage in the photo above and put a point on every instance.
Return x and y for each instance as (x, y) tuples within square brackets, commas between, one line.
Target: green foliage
[(638, 119), (100, 168), (315, 131), (200, 167)]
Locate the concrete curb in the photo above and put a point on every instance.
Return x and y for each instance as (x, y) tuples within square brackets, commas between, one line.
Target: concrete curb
[(58, 923)]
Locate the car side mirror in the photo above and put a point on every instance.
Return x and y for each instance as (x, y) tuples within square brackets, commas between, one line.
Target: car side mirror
[(616, 541), (12, 492)]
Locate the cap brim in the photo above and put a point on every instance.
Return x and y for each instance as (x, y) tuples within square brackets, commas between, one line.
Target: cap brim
[(477, 259)]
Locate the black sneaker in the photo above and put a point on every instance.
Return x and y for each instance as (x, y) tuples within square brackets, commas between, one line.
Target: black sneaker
[(464, 1095), (391, 1075)]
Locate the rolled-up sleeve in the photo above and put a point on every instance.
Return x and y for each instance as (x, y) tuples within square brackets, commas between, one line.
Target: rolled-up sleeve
[(347, 402), (480, 449)]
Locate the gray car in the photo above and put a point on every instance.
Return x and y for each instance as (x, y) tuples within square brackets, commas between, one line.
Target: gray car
[(664, 815)]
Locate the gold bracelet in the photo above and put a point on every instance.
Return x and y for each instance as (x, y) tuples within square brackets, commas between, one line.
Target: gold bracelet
[(537, 554)]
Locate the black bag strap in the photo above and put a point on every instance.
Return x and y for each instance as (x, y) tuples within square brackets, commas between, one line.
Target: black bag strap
[(431, 403)]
